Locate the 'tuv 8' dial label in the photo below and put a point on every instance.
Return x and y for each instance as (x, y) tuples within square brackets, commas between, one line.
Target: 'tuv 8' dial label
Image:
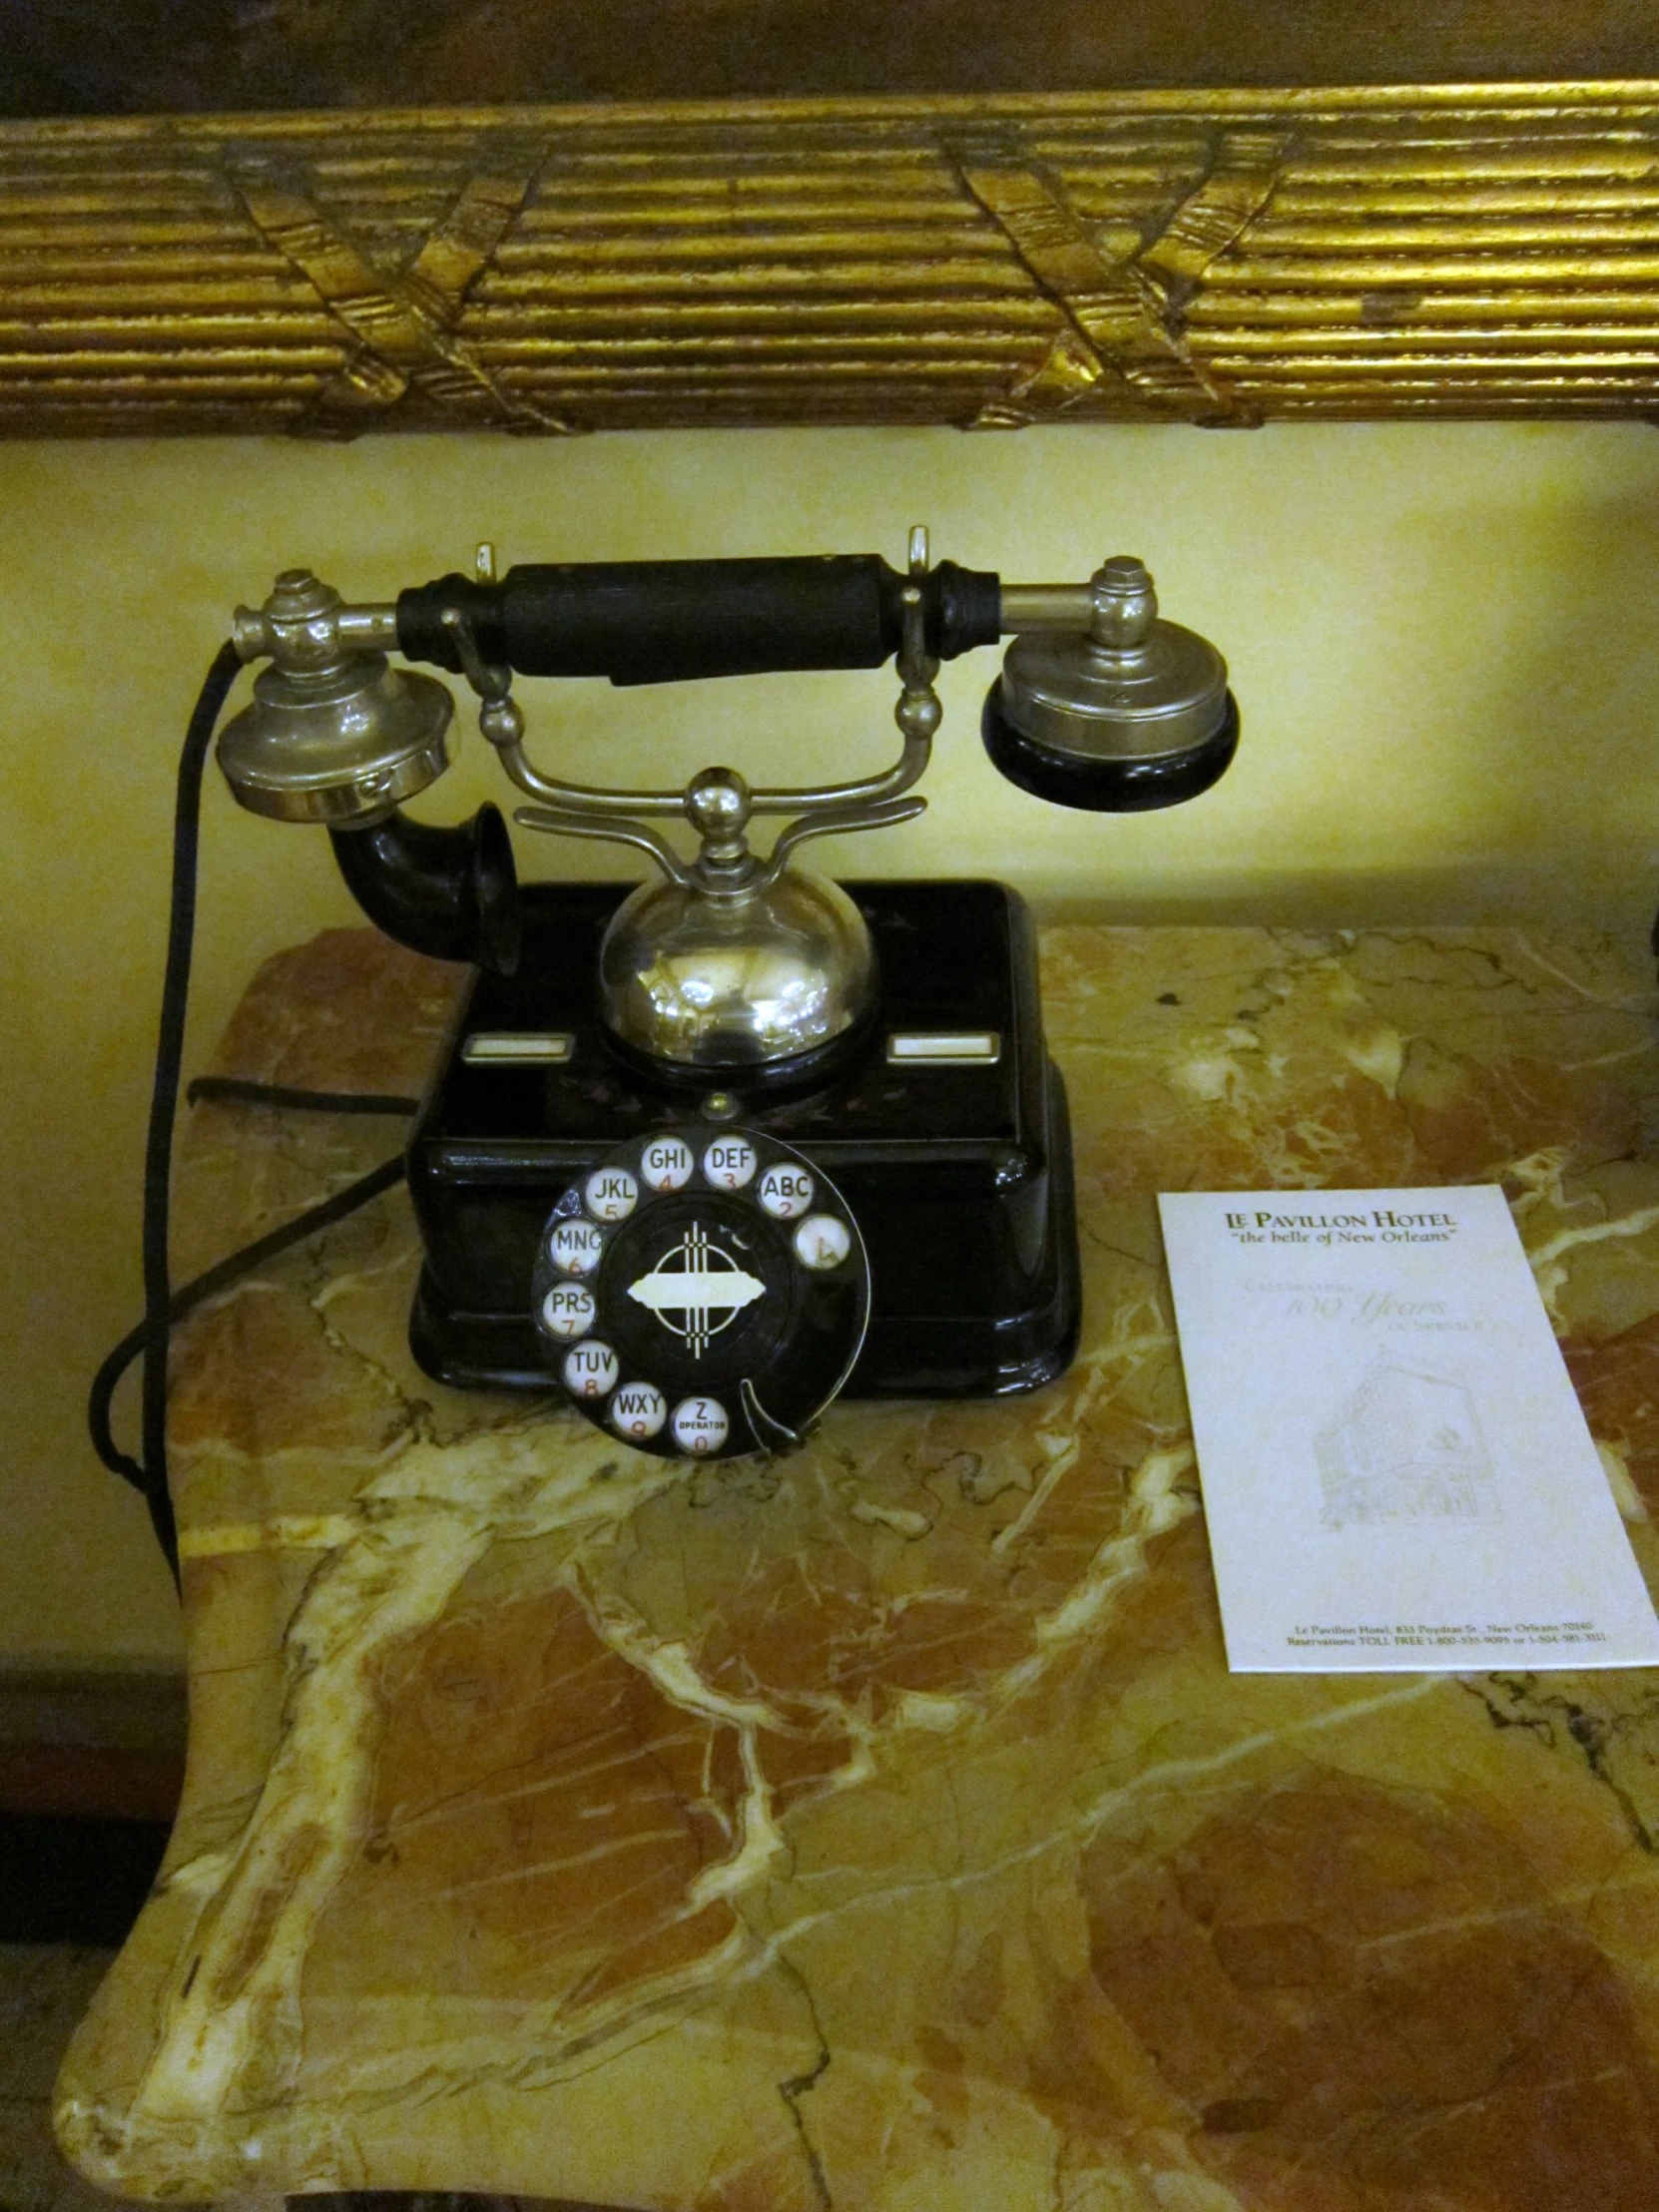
[(701, 1293)]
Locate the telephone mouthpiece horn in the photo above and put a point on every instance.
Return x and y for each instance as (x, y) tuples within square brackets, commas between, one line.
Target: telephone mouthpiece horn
[(1132, 714), (334, 735)]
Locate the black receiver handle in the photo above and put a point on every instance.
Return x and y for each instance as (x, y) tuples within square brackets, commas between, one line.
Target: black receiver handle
[(658, 622)]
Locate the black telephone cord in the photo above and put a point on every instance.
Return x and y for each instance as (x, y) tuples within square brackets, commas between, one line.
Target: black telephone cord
[(237, 1090), (162, 1304), (220, 1277)]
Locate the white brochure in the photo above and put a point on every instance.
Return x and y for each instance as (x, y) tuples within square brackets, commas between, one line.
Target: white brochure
[(1396, 1474)]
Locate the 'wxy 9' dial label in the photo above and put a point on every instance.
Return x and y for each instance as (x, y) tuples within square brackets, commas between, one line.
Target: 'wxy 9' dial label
[(638, 1409)]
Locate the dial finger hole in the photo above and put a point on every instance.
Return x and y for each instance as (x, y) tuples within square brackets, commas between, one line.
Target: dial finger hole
[(786, 1191), (610, 1193), (823, 1242), (575, 1246), (666, 1164), (589, 1371), (638, 1410), (701, 1426), (729, 1163), (567, 1310)]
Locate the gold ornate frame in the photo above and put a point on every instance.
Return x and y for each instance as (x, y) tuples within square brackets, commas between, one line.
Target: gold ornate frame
[(1226, 258)]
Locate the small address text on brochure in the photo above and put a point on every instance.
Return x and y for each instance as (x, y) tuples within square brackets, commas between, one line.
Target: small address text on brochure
[(1438, 1635)]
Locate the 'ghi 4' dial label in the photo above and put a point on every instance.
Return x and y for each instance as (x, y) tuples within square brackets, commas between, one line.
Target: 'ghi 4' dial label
[(701, 1293)]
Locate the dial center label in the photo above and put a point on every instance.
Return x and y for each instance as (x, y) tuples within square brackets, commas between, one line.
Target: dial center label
[(696, 1289)]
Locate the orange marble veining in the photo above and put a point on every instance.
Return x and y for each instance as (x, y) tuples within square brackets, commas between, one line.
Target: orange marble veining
[(881, 1826)]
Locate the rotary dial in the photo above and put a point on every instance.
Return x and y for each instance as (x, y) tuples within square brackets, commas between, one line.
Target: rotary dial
[(702, 1294)]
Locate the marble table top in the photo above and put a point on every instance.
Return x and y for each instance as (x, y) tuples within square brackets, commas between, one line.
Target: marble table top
[(881, 1826)]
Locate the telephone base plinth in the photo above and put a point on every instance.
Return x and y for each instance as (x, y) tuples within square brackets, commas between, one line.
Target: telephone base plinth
[(959, 1172)]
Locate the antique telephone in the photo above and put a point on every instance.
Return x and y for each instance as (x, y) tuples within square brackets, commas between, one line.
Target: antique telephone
[(709, 1149)]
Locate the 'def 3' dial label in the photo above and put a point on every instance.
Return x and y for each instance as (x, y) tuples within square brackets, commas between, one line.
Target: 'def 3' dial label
[(701, 1293)]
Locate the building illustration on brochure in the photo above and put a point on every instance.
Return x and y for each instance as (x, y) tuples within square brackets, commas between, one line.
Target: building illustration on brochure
[(1406, 1446)]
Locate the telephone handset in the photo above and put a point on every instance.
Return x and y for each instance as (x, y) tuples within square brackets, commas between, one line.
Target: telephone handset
[(707, 1150)]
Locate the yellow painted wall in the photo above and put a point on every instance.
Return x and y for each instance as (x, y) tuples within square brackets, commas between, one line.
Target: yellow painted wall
[(1446, 641)]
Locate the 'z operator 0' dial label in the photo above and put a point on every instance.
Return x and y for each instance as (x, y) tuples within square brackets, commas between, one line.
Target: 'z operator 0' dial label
[(701, 1293)]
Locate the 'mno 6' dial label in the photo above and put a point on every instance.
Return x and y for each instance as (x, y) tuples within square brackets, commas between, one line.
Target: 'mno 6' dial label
[(701, 1293)]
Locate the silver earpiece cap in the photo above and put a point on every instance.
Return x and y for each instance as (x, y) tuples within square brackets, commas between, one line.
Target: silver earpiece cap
[(1135, 688)]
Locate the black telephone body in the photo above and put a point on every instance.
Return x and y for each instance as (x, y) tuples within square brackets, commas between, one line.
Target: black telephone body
[(707, 1150)]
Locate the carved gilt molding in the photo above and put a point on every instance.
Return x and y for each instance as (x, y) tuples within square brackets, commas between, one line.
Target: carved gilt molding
[(1224, 257)]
